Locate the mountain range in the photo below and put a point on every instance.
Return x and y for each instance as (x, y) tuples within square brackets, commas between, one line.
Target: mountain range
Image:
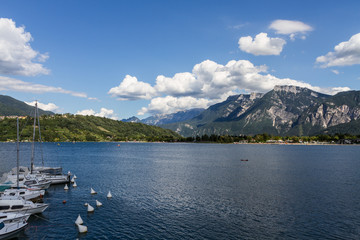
[(285, 110), (161, 119)]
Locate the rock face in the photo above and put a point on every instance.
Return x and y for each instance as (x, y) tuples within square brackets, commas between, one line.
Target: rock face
[(282, 111)]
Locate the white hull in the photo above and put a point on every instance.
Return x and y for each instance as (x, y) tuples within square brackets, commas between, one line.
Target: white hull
[(29, 210), (11, 224), (57, 179), (26, 194)]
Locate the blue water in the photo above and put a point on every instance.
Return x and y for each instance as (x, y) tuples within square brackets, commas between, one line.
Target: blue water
[(199, 191)]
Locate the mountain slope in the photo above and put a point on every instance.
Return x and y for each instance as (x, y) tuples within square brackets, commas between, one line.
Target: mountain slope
[(11, 107), (285, 110), (84, 128)]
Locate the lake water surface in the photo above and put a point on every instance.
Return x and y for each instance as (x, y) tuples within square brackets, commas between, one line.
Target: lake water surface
[(199, 191)]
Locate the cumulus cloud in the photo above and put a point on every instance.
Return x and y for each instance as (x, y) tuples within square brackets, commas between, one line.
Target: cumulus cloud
[(46, 107), (171, 104), (179, 85), (132, 89), (291, 28), (11, 84), (345, 54), (108, 113), (261, 45), (16, 55), (210, 82)]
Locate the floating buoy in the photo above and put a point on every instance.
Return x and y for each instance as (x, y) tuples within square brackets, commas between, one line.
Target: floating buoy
[(82, 228), (93, 191), (98, 204), (109, 195), (66, 187), (90, 208), (75, 176), (74, 185), (64, 201), (86, 204), (118, 145), (79, 220), (72, 180)]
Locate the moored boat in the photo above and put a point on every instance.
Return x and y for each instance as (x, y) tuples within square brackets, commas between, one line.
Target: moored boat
[(25, 193), (11, 224), (10, 204)]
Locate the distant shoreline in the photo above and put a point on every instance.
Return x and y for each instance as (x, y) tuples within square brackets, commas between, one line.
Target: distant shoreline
[(235, 143)]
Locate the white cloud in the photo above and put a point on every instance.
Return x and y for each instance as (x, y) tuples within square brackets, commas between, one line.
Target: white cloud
[(345, 54), (335, 90), (210, 83), (11, 84), (132, 89), (171, 104), (335, 71), (291, 28), (16, 55), (46, 107), (261, 45), (108, 113), (179, 85)]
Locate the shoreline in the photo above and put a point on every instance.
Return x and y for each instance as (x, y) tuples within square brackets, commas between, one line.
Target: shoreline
[(236, 143)]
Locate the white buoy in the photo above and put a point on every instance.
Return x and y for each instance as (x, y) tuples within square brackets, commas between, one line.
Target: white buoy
[(75, 177), (72, 180), (90, 208), (74, 185), (79, 220), (98, 204), (109, 195), (82, 228), (93, 191), (86, 204), (66, 187)]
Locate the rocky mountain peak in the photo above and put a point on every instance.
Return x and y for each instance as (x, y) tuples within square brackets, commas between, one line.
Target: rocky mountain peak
[(287, 88)]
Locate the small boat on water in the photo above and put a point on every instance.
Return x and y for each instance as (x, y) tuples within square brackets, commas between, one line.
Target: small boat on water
[(11, 224), (25, 179), (10, 204)]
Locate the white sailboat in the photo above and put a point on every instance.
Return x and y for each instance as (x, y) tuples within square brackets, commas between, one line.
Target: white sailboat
[(53, 174), (22, 181), (11, 224)]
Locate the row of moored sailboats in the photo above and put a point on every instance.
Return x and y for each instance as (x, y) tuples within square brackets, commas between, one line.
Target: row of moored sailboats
[(23, 187)]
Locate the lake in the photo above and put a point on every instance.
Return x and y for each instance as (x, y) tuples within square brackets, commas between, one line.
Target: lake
[(199, 191)]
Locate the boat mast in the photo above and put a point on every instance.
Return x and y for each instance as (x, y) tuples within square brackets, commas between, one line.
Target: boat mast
[(38, 119), (33, 142), (17, 151)]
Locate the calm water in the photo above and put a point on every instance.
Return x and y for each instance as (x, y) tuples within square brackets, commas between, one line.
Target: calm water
[(200, 191)]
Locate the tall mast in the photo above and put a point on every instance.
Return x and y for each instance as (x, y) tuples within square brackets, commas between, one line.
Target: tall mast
[(38, 119), (33, 142), (17, 152)]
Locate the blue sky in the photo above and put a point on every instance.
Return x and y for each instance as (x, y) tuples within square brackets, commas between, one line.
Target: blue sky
[(124, 58)]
